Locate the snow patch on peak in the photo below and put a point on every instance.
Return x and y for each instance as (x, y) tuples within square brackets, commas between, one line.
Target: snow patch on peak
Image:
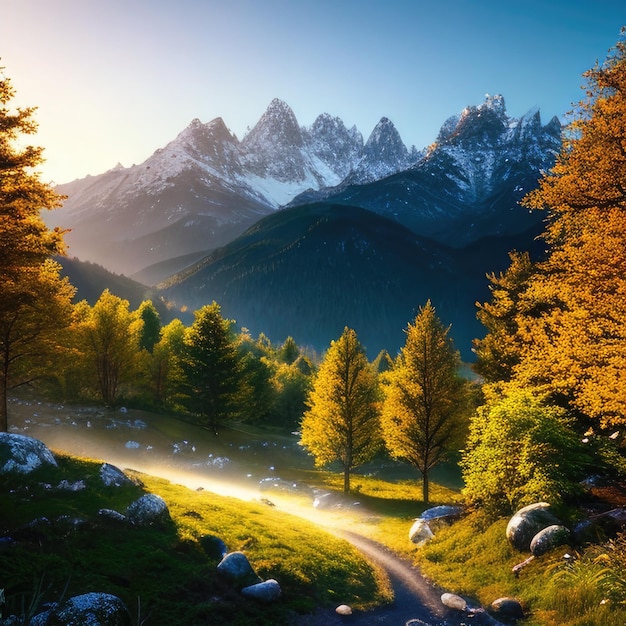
[(279, 107), (495, 103), (383, 154), (277, 124), (385, 131), (325, 124)]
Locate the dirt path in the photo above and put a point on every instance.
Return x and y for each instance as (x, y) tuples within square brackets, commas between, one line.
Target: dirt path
[(416, 600)]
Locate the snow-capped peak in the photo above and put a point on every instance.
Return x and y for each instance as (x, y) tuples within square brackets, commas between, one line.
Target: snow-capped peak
[(384, 154), (278, 125), (495, 103)]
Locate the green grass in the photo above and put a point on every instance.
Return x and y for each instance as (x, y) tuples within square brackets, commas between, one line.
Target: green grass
[(171, 570), (166, 569)]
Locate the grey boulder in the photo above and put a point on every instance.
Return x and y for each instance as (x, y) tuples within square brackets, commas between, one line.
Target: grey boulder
[(148, 510), (506, 609), (213, 546), (420, 531), (266, 591), (453, 601), (549, 538), (90, 609), (236, 568), (112, 476), (21, 454)]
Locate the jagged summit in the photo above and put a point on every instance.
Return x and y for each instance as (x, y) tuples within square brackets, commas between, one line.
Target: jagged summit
[(335, 145), (384, 154), (468, 184), (483, 124), (277, 126)]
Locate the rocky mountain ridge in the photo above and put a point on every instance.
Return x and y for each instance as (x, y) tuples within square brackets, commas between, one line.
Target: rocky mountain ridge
[(368, 255), (468, 184), (205, 187), (360, 250)]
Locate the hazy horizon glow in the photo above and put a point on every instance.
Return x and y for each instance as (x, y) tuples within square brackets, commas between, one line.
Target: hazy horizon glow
[(115, 81)]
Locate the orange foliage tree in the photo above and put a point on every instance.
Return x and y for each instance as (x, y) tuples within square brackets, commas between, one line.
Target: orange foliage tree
[(572, 339), (34, 300), (578, 346)]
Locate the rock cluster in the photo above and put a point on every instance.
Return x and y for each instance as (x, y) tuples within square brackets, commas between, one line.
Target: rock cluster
[(534, 529), (505, 609), (527, 522), (236, 569)]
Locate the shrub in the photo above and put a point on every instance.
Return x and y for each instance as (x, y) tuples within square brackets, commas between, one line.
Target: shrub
[(519, 451)]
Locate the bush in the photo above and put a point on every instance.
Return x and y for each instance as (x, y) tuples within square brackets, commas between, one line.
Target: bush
[(520, 451)]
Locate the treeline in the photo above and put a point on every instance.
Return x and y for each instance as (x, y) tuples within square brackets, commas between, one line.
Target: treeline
[(113, 355)]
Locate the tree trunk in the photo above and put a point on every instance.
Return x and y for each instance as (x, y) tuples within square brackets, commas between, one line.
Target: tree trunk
[(425, 487), (4, 414), (346, 480)]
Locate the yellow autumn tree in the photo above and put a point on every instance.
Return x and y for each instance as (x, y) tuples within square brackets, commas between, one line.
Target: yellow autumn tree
[(342, 422), (425, 409), (106, 340), (576, 347)]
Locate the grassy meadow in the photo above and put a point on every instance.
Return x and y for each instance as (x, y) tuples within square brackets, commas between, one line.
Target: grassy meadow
[(167, 575)]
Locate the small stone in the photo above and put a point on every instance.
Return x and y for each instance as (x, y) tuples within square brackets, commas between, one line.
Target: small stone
[(452, 601), (266, 591), (343, 609), (110, 515), (507, 608)]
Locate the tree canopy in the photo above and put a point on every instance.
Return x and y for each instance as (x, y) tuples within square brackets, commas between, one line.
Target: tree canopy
[(107, 337), (521, 450), (211, 366), (559, 326), (577, 347)]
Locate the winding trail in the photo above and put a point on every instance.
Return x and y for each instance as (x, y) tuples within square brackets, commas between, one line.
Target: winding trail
[(414, 596), (416, 600)]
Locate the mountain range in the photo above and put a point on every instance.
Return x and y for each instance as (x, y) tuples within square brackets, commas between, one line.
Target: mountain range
[(300, 231), (206, 187)]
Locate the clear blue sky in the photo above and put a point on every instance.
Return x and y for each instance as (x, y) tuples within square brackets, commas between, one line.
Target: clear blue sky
[(114, 80)]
